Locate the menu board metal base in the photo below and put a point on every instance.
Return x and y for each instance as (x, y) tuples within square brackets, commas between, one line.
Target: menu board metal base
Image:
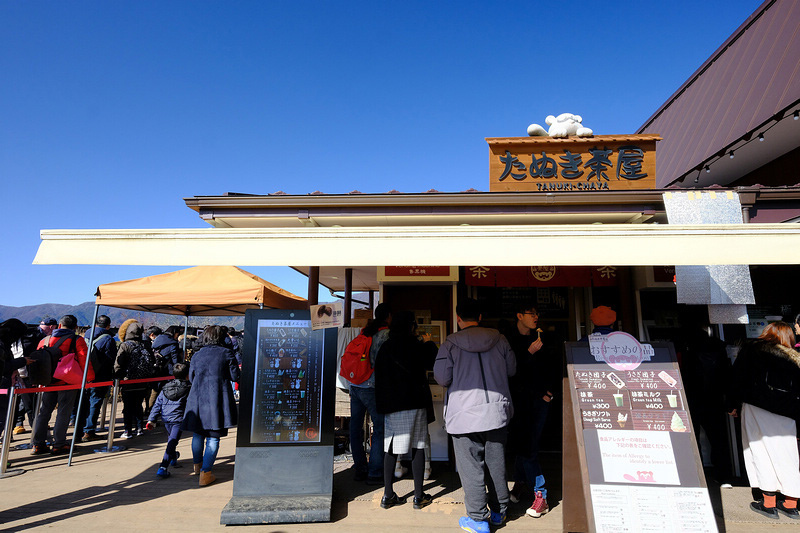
[(276, 485), (243, 510)]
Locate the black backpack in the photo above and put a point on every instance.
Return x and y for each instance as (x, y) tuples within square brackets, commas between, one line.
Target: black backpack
[(142, 362), (46, 360), (102, 365)]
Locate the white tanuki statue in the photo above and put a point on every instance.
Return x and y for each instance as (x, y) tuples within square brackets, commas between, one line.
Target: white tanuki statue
[(563, 125)]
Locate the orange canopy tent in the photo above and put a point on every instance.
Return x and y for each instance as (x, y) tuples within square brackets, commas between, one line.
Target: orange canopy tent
[(198, 291)]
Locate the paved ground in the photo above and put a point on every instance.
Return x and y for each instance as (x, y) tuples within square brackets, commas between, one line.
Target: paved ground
[(119, 492)]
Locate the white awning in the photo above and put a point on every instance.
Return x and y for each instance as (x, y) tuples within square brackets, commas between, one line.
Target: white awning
[(556, 245)]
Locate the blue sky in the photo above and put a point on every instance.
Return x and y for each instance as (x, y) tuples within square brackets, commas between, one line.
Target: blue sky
[(112, 112)]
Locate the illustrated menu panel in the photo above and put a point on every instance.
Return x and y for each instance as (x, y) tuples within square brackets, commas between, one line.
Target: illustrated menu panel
[(287, 402), (649, 399)]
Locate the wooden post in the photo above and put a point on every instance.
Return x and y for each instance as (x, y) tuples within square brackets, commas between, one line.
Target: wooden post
[(348, 296), (313, 285), (573, 498)]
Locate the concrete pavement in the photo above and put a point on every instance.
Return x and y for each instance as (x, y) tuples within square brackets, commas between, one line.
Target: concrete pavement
[(120, 492)]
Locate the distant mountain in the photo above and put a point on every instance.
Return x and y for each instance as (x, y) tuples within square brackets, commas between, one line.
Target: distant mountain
[(33, 314)]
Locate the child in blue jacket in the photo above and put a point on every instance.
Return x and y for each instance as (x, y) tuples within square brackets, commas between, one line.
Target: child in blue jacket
[(171, 404)]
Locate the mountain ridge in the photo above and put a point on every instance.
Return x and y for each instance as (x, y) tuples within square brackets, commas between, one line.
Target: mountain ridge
[(33, 314)]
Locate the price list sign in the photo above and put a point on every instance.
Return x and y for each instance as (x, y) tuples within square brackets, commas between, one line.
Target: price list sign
[(633, 440), (287, 399), (616, 399)]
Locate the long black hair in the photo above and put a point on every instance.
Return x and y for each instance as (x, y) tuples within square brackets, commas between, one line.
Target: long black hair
[(11, 331), (382, 313), (404, 324)]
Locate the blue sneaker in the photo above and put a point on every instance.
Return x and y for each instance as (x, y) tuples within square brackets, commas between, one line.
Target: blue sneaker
[(174, 462), (162, 472), (473, 526), (497, 519)]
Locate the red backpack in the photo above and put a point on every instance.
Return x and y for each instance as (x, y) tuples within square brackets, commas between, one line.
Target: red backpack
[(356, 366)]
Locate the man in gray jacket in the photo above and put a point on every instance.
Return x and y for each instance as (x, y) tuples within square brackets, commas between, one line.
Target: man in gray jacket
[(475, 364)]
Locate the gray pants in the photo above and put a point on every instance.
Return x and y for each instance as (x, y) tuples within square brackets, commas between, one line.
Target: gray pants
[(481, 463), (65, 400)]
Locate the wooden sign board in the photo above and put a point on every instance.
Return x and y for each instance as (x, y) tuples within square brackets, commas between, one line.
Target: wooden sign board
[(393, 274), (628, 428), (601, 162)]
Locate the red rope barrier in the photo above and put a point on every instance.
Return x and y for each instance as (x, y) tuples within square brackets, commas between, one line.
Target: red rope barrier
[(90, 385)]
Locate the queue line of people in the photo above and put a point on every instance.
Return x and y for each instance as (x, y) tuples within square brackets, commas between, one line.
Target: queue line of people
[(200, 399)]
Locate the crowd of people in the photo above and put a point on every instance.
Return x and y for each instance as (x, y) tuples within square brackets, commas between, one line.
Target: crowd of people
[(199, 399), (500, 386), (499, 389)]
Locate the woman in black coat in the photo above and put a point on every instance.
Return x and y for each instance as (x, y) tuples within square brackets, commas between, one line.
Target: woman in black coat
[(403, 395), (210, 407), (765, 392), (11, 331)]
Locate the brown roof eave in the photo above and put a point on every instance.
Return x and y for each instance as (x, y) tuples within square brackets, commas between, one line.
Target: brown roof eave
[(197, 203)]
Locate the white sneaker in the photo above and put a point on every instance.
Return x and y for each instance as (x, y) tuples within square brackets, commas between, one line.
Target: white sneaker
[(400, 471), (427, 473)]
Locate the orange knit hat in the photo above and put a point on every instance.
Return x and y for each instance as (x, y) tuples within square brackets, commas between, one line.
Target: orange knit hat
[(603, 316)]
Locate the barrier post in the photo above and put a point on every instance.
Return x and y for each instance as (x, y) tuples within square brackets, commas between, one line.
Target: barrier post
[(103, 413), (7, 432), (111, 423)]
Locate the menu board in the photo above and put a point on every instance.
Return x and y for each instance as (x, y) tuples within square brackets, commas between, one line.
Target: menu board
[(638, 453), (287, 388)]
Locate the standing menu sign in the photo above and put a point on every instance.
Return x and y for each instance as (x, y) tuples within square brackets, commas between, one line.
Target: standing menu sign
[(287, 383), (284, 445), (629, 429)]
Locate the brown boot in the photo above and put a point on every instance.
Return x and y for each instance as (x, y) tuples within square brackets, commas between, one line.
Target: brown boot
[(196, 469), (206, 478)]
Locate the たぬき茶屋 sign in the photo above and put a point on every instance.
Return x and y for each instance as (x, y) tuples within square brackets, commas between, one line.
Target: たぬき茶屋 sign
[(602, 162)]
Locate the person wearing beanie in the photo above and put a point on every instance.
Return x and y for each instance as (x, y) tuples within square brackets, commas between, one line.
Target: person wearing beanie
[(603, 318)]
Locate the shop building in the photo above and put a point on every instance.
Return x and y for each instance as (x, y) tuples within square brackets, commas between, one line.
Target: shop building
[(568, 241)]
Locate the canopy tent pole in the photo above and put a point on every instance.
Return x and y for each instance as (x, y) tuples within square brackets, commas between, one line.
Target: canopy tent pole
[(83, 384), (185, 333)]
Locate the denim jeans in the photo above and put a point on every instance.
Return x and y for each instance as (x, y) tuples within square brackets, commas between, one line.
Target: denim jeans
[(65, 400), (362, 400), (173, 436), (96, 397), (208, 456), (527, 467)]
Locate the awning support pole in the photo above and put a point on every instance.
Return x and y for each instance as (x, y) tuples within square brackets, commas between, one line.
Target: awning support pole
[(348, 296), (313, 285)]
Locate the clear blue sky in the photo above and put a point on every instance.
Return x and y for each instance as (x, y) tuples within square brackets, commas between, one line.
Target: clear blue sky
[(112, 112)]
